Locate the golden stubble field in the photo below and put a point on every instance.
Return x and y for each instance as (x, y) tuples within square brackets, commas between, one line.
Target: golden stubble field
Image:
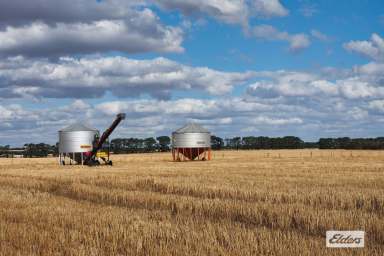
[(240, 203)]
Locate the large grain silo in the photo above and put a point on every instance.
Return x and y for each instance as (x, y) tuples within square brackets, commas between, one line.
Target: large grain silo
[(75, 141), (191, 142)]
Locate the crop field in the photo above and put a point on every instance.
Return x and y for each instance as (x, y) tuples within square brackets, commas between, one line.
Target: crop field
[(241, 203)]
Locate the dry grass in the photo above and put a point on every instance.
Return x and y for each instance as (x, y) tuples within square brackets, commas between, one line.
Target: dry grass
[(241, 203)]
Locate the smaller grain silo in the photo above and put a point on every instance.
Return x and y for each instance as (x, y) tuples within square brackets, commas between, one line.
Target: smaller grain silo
[(75, 141), (191, 142)]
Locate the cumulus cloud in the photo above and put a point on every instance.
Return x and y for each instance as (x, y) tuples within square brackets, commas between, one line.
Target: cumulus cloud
[(297, 42), (145, 117), (371, 68), (372, 49), (308, 10), (270, 121), (319, 35), (228, 11), (235, 116), (299, 84), (142, 32), (293, 84), (54, 28), (54, 11), (346, 105), (280, 102), (269, 8), (377, 105), (124, 77), (19, 12)]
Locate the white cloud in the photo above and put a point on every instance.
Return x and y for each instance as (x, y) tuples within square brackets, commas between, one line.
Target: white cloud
[(373, 49), (141, 32), (377, 105), (372, 69), (275, 121), (230, 117), (278, 103), (364, 81), (354, 88), (297, 42), (144, 117), (228, 11), (83, 27), (19, 12), (308, 10), (80, 105), (269, 8), (320, 36), (72, 11), (93, 77)]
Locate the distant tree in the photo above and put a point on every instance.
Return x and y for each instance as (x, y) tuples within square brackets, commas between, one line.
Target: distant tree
[(347, 143), (236, 141), (343, 143), (164, 143), (227, 142), (37, 150), (311, 145), (263, 142), (4, 149), (327, 143), (149, 144), (117, 146), (291, 142), (136, 145), (217, 142), (249, 142)]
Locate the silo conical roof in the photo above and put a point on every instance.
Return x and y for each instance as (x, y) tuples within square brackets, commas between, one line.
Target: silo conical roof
[(192, 128), (77, 127)]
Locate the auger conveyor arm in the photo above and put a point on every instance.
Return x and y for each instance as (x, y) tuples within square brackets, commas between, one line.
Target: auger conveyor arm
[(104, 137)]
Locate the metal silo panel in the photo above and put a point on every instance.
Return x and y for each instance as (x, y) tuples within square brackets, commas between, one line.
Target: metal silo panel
[(191, 140), (76, 141)]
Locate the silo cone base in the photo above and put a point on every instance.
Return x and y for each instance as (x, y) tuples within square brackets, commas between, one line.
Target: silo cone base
[(185, 154)]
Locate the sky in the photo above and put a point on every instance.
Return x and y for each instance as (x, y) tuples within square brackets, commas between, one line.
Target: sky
[(310, 69)]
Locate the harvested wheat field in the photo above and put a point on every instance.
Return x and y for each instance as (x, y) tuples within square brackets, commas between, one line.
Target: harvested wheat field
[(240, 203)]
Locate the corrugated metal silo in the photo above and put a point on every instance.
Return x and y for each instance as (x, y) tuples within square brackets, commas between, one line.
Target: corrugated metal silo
[(191, 141), (75, 140)]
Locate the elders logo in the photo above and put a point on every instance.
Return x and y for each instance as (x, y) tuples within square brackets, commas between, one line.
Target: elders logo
[(345, 239)]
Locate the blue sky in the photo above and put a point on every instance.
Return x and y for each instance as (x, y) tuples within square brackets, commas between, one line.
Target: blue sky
[(239, 67)]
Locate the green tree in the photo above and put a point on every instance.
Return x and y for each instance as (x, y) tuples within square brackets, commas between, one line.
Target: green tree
[(149, 144), (217, 142), (236, 141), (164, 143)]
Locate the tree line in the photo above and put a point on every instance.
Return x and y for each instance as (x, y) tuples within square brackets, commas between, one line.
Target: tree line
[(30, 150), (291, 142), (135, 145), (348, 143), (163, 144)]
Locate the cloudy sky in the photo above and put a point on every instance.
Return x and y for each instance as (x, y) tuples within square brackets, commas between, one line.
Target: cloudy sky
[(239, 67)]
